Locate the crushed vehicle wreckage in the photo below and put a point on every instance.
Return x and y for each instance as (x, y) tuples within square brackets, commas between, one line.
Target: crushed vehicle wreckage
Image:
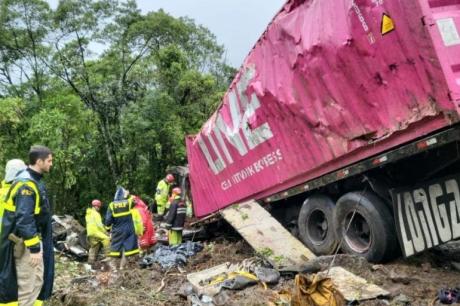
[(69, 236)]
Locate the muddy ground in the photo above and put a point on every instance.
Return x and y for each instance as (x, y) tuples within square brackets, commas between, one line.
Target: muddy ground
[(413, 281)]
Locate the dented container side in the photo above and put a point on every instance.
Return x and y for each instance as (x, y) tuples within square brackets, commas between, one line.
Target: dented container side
[(330, 82), (442, 19)]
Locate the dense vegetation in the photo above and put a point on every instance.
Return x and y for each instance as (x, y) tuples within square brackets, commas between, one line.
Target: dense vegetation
[(110, 90)]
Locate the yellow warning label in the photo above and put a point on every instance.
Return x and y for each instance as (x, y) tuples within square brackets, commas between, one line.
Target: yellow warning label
[(387, 24)]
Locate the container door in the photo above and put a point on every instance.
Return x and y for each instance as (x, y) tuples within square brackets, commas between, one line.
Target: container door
[(442, 17)]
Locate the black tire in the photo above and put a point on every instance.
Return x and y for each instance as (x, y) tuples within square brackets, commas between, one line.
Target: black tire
[(316, 229), (372, 232)]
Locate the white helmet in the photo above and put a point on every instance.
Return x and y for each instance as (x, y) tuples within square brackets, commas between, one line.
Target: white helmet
[(13, 167)]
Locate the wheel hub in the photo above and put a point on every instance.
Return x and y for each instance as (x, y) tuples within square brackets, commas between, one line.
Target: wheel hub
[(317, 227), (358, 236)]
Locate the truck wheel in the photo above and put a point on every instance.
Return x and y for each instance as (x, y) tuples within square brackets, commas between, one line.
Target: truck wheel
[(316, 229), (372, 231)]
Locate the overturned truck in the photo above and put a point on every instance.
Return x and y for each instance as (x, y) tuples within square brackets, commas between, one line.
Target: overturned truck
[(347, 113)]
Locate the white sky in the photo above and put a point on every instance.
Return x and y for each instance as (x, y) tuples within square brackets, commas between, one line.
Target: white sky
[(237, 24)]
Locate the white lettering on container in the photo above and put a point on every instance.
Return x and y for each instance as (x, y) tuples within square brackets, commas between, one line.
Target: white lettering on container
[(242, 112)]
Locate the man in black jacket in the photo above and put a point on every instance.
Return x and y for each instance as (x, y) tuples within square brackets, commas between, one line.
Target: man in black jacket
[(175, 218), (26, 250)]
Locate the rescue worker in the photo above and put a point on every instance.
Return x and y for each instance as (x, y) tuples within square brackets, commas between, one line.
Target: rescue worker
[(162, 193), (26, 242), (119, 218), (13, 167), (175, 219), (97, 234)]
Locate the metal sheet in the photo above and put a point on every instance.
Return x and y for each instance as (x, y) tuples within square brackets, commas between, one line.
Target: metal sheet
[(329, 83)]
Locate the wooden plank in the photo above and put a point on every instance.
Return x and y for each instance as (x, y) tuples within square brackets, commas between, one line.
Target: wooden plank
[(267, 236)]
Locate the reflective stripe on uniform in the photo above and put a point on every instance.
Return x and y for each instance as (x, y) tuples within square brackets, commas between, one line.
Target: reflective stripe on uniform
[(10, 304), (123, 212), (132, 252), (32, 241), (9, 204), (114, 254)]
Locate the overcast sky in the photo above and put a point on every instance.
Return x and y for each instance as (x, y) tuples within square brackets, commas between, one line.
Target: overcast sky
[(237, 24)]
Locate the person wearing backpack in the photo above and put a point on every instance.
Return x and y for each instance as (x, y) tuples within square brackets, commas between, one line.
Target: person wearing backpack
[(119, 218), (26, 242)]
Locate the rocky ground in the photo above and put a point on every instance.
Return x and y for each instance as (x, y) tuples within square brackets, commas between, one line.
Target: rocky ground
[(413, 281)]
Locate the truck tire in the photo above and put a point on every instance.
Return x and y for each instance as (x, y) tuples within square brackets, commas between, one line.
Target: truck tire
[(372, 231), (316, 229)]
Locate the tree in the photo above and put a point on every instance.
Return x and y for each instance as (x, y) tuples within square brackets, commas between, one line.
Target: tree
[(116, 116), (24, 28), (127, 68)]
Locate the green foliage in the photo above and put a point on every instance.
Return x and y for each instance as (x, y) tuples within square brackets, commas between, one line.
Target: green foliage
[(11, 115), (119, 116), (265, 252)]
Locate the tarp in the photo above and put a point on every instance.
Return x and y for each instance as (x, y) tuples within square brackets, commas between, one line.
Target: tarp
[(330, 82), (172, 256)]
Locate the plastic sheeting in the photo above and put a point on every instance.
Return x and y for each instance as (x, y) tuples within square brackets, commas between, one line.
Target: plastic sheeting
[(172, 256)]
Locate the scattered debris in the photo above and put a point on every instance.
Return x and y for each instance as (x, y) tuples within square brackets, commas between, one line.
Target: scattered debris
[(400, 277), (99, 286), (353, 288), (185, 290), (198, 279), (221, 299), (402, 300), (316, 290), (236, 280), (196, 233), (267, 275), (69, 237), (281, 298), (449, 295)]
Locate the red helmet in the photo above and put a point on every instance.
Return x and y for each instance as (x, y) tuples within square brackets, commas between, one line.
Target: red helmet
[(177, 190), (170, 178), (96, 203)]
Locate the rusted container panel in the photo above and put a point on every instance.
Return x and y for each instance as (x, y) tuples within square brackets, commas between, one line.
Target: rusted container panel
[(329, 83)]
